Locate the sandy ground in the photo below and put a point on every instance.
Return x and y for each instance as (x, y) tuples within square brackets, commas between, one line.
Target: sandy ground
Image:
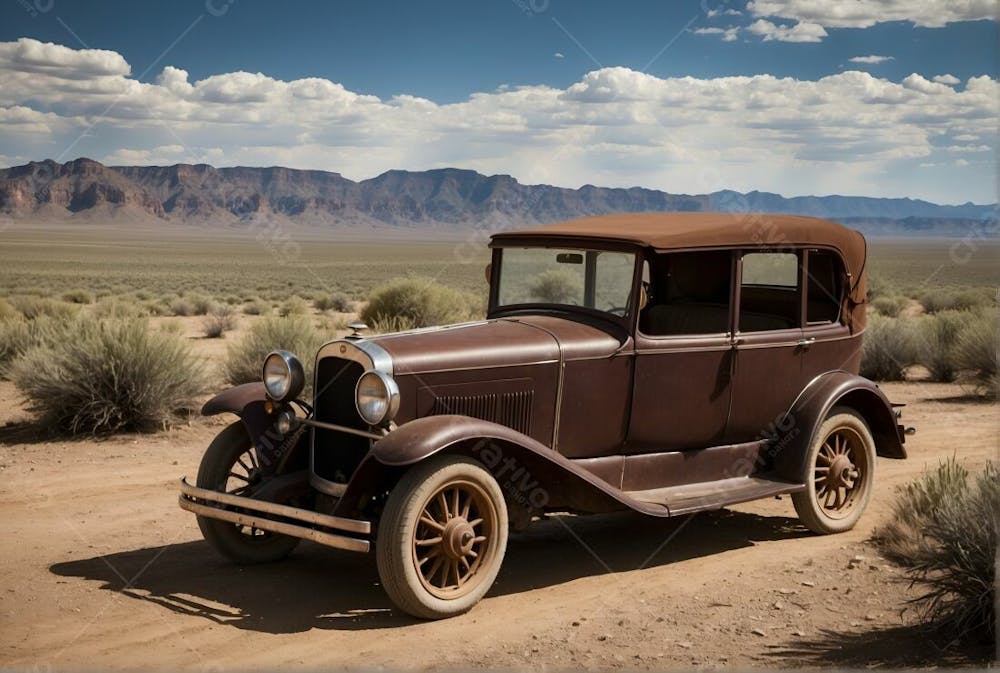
[(100, 569)]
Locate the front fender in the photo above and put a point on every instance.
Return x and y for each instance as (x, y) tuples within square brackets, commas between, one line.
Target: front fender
[(249, 402), (798, 427), (531, 474)]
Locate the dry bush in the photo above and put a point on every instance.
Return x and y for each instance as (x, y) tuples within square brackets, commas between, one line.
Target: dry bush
[(338, 301), (978, 350), (7, 311), (937, 337), (416, 302), (391, 325), (109, 376), (256, 307), (555, 286), (890, 305), (34, 307), (944, 534), (181, 307), (952, 299), (111, 307), (200, 304), (220, 321), (293, 306), (245, 358), (19, 335), (78, 296), (889, 348)]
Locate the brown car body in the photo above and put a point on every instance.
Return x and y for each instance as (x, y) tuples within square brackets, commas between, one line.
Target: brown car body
[(576, 410)]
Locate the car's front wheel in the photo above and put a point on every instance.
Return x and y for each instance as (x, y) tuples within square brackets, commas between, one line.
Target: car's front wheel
[(230, 466), (840, 474), (442, 537)]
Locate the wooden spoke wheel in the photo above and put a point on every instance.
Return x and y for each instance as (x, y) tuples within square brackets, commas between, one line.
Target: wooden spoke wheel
[(841, 465), (442, 537)]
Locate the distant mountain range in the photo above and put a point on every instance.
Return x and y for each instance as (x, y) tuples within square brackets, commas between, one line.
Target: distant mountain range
[(442, 199)]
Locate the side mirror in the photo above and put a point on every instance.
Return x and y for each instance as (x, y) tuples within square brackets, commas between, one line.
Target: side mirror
[(489, 272)]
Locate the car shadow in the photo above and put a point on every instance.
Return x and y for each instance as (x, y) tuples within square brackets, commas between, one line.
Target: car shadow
[(320, 587)]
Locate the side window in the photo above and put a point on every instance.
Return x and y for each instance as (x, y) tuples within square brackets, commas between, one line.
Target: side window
[(770, 297), (688, 293), (825, 292)]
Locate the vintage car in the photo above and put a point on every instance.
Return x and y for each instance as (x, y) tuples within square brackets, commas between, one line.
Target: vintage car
[(664, 363)]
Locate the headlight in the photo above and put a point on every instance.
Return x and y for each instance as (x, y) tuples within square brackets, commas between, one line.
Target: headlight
[(377, 397), (283, 376)]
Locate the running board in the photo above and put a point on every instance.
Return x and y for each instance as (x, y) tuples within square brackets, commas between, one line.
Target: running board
[(708, 495)]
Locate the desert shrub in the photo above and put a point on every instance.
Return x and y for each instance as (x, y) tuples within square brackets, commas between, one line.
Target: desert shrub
[(416, 302), (890, 305), (555, 286), (944, 534), (220, 321), (34, 307), (978, 350), (111, 376), (879, 286), (155, 307), (110, 307), (293, 306), (181, 307), (79, 297), (889, 348), (937, 337), (7, 311), (965, 299), (257, 307), (200, 304), (294, 333), (392, 324), (338, 301)]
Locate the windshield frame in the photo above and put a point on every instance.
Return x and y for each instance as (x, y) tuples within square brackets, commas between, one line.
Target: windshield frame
[(565, 310)]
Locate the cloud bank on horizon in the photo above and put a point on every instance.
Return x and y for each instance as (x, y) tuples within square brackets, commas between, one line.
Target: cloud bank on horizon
[(928, 135)]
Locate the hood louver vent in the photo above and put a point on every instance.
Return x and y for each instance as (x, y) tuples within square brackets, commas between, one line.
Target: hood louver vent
[(511, 409)]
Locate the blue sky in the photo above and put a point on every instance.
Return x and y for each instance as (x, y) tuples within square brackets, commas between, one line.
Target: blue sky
[(684, 96)]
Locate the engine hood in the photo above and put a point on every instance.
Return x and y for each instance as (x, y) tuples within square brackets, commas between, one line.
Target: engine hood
[(495, 343)]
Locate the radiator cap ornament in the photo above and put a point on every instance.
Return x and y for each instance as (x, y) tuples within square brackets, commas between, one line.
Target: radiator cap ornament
[(357, 327)]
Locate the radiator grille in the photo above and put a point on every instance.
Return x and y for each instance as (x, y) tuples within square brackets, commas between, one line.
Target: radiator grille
[(510, 409)]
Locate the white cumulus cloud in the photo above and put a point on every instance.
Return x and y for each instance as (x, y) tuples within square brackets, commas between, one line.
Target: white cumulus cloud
[(866, 13), (846, 133), (797, 32), (950, 80)]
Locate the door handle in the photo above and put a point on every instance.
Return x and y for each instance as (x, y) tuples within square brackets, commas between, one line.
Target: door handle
[(805, 343)]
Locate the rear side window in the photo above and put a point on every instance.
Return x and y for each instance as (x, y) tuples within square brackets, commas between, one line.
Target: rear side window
[(826, 288), (770, 296)]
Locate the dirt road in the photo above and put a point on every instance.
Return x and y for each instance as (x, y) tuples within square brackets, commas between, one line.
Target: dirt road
[(102, 570)]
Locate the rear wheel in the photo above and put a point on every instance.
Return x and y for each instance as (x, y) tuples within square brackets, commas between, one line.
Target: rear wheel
[(230, 466), (841, 473), (442, 537)]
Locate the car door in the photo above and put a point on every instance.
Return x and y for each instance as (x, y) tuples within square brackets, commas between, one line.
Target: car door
[(681, 382), (769, 342)]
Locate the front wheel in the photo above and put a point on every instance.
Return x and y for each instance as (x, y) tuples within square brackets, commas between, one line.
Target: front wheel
[(442, 537), (841, 474), (230, 466)]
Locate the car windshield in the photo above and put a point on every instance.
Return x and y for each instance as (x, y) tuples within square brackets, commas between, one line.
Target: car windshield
[(596, 279)]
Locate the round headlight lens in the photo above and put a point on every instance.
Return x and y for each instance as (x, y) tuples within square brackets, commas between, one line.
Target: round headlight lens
[(283, 376), (377, 397)]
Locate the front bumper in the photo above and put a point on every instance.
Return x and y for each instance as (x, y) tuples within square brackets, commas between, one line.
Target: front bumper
[(270, 516)]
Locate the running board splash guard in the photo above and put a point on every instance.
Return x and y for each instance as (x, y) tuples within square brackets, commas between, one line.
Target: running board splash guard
[(275, 518)]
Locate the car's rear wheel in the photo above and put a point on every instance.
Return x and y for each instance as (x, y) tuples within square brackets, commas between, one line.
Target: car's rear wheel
[(442, 537), (841, 474), (230, 466)]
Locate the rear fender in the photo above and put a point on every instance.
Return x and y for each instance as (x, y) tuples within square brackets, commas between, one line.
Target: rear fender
[(796, 430), (249, 402), (532, 476)]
